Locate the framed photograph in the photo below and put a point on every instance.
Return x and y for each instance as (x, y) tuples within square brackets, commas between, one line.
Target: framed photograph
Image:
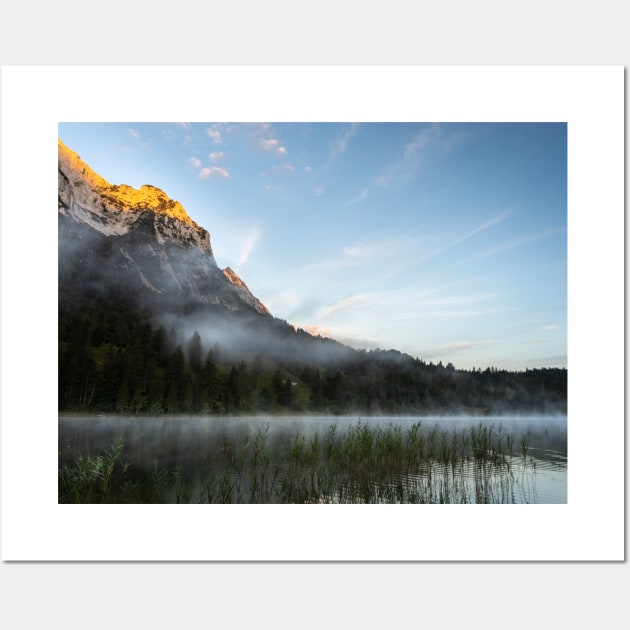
[(387, 300)]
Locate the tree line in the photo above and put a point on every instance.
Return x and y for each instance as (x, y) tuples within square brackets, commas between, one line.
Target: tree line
[(114, 360)]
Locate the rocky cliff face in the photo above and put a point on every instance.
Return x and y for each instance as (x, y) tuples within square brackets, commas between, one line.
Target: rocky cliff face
[(245, 293), (114, 238)]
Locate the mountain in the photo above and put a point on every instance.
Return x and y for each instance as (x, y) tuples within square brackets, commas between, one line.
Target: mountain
[(140, 249), (114, 237)]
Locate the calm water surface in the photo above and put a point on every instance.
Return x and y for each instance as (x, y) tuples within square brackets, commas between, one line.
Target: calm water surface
[(188, 441)]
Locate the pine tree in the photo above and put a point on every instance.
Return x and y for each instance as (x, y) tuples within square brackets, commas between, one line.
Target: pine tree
[(195, 353)]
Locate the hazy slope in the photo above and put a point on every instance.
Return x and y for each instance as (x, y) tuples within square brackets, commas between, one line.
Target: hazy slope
[(118, 243)]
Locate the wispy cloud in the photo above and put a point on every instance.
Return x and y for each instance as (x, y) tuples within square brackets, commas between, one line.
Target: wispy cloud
[(359, 198), (284, 169), (137, 139), (349, 302), (424, 247), (354, 318), (480, 228), (341, 144), (308, 169), (493, 251), (250, 241), (268, 142), (364, 252), (414, 153), (484, 226), (214, 134), (215, 156), (213, 172), (415, 303), (408, 305), (287, 301), (407, 165), (209, 172), (398, 253), (456, 348)]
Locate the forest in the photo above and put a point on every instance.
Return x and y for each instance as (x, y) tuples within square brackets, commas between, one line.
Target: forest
[(114, 358)]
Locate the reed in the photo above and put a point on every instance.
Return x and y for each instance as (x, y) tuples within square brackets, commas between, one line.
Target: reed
[(107, 478), (361, 464)]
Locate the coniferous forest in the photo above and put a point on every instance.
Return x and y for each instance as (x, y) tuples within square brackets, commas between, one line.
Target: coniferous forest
[(113, 358)]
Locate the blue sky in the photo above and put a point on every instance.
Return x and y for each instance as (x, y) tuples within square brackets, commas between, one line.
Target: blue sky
[(446, 241)]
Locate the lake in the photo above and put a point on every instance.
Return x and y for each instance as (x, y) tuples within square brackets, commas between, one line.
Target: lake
[(271, 454)]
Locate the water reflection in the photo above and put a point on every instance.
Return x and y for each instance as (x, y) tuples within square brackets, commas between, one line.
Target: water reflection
[(193, 442)]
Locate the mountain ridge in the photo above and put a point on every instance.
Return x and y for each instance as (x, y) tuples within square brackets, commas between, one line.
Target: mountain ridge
[(154, 238), (113, 209)]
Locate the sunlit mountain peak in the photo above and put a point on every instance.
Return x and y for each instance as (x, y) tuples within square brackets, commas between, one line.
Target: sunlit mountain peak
[(244, 291), (122, 196)]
